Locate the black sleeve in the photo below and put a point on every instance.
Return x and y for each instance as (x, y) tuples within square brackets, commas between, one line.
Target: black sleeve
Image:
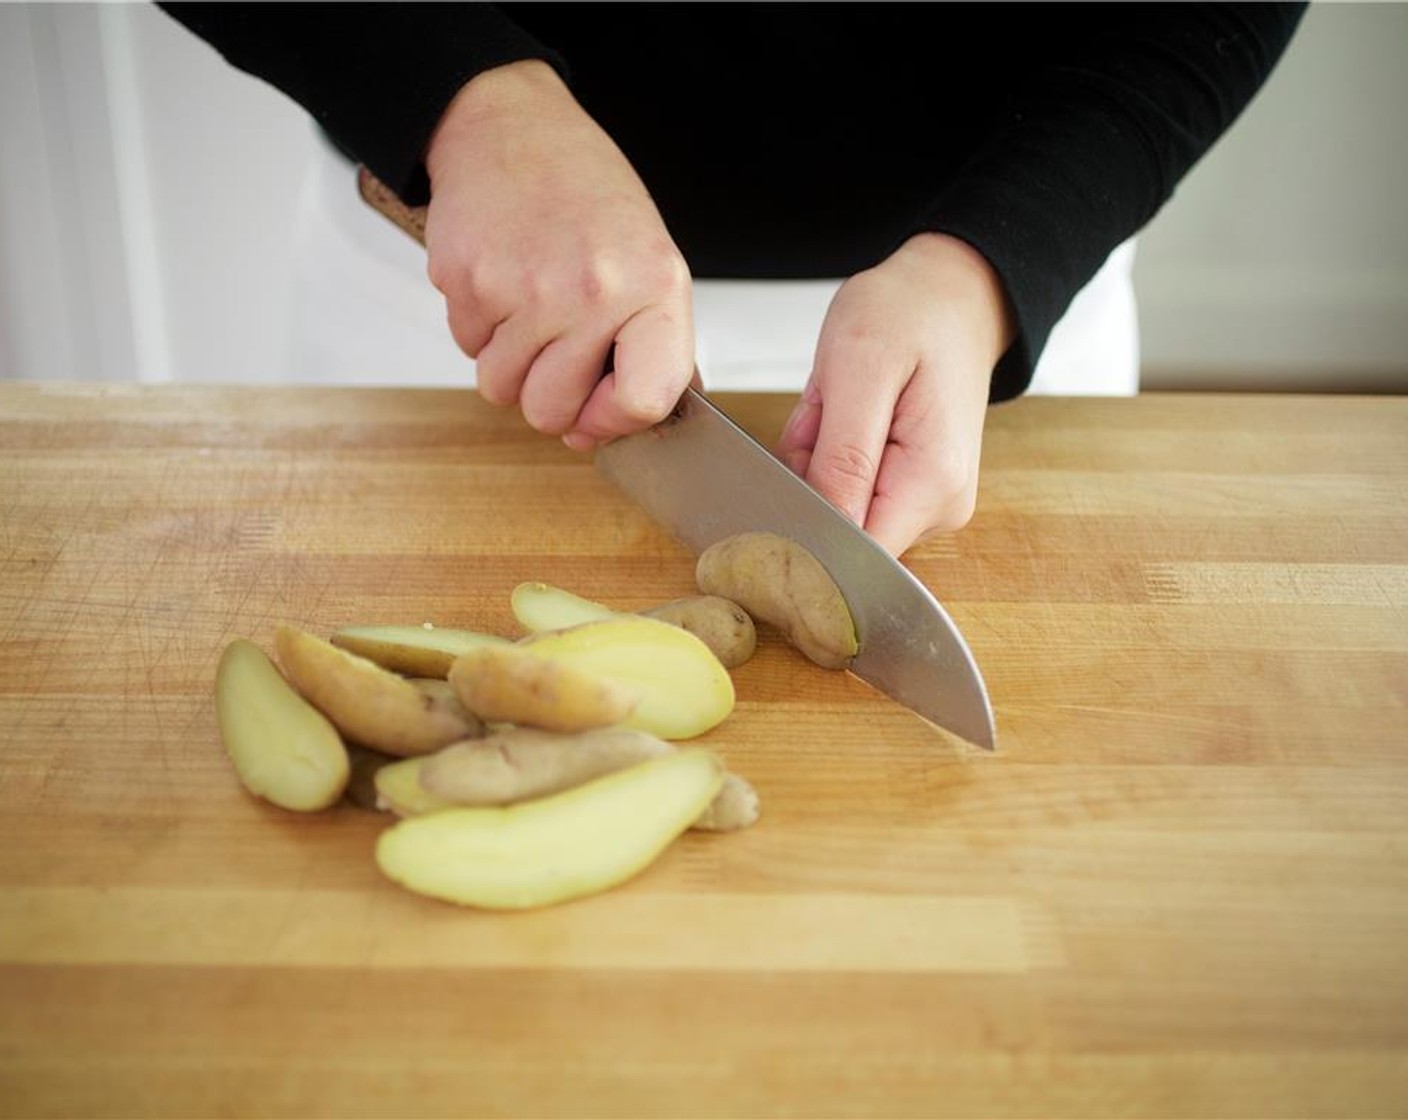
[(375, 76), (1090, 147)]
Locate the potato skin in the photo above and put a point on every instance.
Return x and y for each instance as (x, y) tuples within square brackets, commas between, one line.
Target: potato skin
[(518, 763), (511, 684), (681, 688), (370, 705), (721, 624), (779, 582)]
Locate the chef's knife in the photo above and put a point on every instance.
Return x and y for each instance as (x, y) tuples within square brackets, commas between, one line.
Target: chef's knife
[(704, 478)]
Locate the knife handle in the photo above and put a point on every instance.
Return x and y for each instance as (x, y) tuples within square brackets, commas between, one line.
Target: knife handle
[(383, 200)]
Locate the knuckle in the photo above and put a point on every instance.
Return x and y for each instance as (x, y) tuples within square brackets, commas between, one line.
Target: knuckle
[(449, 270), (549, 414), (654, 268), (641, 410), (845, 465), (598, 282), (955, 470), (860, 343), (463, 280), (955, 480), (466, 333), (496, 392), (441, 272), (666, 270), (956, 514), (496, 384)]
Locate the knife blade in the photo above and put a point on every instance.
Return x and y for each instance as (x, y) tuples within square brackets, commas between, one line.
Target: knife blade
[(704, 478)]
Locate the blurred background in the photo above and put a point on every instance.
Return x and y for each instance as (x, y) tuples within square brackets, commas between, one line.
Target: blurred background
[(148, 198)]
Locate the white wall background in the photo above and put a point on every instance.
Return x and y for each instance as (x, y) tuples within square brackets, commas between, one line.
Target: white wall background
[(147, 196)]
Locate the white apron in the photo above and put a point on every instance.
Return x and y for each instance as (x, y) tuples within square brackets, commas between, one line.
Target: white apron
[(365, 313)]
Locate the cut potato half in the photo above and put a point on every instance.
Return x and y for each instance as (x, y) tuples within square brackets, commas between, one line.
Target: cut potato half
[(681, 688), (283, 749), (541, 606), (556, 848), (416, 651), (399, 789), (370, 705), (513, 685)]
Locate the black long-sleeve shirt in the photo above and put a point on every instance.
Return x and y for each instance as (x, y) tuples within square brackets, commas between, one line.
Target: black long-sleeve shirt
[(810, 140)]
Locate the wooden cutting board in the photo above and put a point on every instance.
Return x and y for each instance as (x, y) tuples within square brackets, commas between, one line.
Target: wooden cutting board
[(1179, 888)]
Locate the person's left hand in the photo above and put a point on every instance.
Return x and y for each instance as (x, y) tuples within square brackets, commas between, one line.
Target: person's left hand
[(890, 425)]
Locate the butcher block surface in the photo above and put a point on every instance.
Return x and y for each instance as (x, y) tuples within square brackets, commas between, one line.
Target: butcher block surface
[(1178, 888)]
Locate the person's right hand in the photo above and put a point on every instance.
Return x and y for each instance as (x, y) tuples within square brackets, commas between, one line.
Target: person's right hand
[(553, 260)]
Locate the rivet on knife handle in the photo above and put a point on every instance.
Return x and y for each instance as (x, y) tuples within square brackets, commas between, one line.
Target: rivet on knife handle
[(383, 199)]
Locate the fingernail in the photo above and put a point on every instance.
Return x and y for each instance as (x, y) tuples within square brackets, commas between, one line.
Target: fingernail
[(791, 425), (803, 410), (579, 441), (797, 461), (806, 407)]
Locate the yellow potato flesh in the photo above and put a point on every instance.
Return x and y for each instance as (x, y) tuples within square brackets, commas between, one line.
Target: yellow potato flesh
[(416, 651), (723, 626), (541, 606), (681, 688), (557, 848), (399, 791), (283, 749)]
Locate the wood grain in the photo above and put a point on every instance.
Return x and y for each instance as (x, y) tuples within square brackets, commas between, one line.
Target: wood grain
[(1180, 887)]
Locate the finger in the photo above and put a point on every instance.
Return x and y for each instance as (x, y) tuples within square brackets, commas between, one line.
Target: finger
[(472, 315), (912, 500), (470, 331), (794, 445), (856, 409), (654, 362), (504, 361), (561, 379), (899, 513), (928, 477)]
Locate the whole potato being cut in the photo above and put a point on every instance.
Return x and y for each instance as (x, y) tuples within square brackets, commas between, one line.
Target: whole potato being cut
[(779, 582)]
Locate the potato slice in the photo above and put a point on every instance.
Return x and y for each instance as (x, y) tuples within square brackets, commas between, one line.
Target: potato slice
[(719, 623), (779, 582), (370, 705), (399, 789), (556, 848), (515, 686), (521, 763), (541, 606), (682, 690), (283, 749), (416, 651)]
